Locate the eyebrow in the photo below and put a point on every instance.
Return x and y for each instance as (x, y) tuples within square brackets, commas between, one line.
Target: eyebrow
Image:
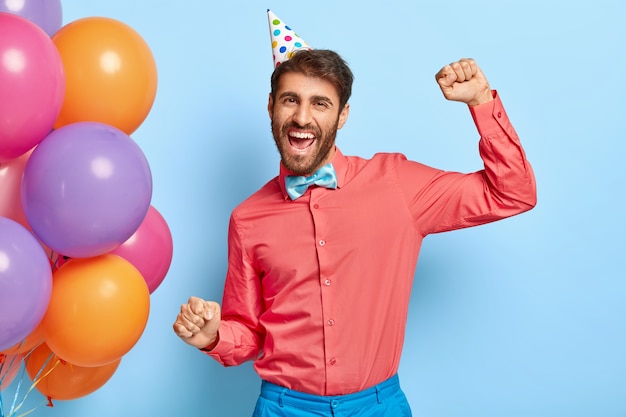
[(314, 99)]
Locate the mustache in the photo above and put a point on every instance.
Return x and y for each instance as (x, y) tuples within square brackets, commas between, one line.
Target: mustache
[(293, 125)]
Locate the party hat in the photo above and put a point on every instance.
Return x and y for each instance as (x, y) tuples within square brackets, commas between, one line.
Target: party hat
[(284, 40)]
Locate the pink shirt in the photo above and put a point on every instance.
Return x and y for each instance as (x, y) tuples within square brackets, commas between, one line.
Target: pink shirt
[(317, 289)]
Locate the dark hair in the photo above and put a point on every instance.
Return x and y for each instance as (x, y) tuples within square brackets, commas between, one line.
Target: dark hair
[(320, 63)]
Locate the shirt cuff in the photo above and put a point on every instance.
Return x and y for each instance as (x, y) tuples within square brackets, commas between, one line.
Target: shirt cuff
[(222, 351), (212, 346), (491, 118)]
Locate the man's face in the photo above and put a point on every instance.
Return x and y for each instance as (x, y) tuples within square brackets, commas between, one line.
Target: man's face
[(305, 118)]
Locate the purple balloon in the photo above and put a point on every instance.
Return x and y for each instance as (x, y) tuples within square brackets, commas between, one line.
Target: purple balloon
[(25, 283), (47, 14), (86, 189)]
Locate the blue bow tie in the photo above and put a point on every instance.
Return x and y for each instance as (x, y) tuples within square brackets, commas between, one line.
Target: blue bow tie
[(324, 177)]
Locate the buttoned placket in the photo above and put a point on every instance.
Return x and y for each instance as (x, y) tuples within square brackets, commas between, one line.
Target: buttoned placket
[(327, 291)]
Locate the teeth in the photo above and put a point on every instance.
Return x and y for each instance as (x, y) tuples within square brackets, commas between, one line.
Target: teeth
[(302, 135)]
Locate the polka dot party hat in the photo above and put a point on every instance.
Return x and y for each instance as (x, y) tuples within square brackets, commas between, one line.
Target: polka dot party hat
[(284, 40)]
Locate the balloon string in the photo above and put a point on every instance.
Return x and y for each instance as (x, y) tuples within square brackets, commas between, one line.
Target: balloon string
[(58, 261), (17, 393), (20, 378), (3, 364), (2, 360), (54, 260), (37, 379), (7, 364), (31, 410), (1, 379)]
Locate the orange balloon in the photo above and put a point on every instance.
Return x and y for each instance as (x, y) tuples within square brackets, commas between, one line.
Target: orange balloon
[(98, 310), (62, 380), (111, 74), (34, 339)]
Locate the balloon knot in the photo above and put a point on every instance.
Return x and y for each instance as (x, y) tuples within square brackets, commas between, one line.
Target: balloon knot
[(50, 404)]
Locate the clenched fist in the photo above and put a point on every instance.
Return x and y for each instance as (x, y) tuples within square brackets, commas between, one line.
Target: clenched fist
[(198, 322), (464, 81)]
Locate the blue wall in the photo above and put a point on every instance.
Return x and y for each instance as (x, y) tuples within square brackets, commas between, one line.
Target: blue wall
[(523, 317)]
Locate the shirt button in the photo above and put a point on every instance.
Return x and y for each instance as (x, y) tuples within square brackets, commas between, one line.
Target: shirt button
[(316, 206), (499, 114), (331, 322), (327, 282), (322, 242), (333, 361)]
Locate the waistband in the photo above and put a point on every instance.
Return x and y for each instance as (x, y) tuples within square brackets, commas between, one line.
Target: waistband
[(370, 396)]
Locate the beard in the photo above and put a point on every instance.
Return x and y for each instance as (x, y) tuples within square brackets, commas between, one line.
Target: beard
[(304, 164)]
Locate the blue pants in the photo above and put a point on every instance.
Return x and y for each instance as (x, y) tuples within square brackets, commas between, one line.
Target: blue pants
[(383, 400)]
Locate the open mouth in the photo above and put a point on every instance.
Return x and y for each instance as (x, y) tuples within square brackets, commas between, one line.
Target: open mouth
[(301, 142)]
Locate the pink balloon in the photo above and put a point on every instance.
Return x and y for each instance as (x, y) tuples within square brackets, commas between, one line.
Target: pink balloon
[(11, 173), (149, 249), (32, 85), (9, 367)]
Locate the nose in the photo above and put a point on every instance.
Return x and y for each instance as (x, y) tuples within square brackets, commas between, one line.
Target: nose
[(302, 115)]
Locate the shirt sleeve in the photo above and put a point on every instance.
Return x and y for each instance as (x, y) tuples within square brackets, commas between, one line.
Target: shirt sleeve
[(444, 200), (240, 334)]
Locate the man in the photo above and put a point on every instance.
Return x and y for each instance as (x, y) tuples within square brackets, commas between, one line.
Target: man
[(319, 275)]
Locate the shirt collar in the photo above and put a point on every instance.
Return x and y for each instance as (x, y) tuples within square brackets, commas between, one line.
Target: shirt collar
[(339, 161)]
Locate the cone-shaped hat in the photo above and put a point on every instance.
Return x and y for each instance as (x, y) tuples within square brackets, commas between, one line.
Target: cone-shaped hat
[(284, 40)]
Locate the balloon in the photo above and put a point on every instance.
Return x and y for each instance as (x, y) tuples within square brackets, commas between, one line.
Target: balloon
[(25, 283), (86, 189), (9, 367), (149, 249), (32, 85), (34, 339), (111, 73), (98, 310), (11, 173), (61, 380), (47, 14)]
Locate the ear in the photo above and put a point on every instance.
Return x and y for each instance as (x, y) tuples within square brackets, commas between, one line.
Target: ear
[(343, 116), (270, 106)]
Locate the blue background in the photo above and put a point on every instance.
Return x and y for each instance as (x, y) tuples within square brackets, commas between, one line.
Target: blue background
[(523, 317)]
